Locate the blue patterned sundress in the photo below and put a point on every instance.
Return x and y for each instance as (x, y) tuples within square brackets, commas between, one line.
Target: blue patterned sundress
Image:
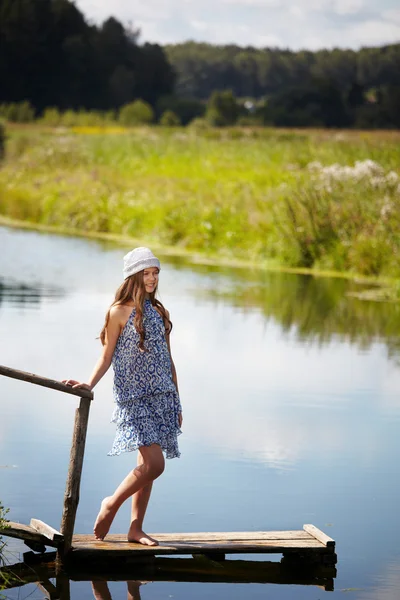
[(147, 401)]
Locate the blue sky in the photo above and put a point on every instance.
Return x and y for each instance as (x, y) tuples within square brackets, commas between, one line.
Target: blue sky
[(294, 24)]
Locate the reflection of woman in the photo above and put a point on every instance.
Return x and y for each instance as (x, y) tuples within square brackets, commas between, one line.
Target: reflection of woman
[(101, 590), (148, 413)]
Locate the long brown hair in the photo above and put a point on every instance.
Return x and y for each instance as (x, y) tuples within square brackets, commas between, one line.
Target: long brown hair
[(133, 289)]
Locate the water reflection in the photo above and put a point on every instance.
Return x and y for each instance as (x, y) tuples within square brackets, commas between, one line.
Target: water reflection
[(29, 296), (101, 591), (386, 585), (314, 309), (291, 407), (137, 573)]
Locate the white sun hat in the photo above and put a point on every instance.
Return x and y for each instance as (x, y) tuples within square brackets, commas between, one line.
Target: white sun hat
[(138, 259)]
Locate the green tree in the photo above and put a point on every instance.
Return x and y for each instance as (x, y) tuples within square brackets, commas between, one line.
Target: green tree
[(51, 117), (136, 113), (169, 119), (222, 109), (315, 104), (186, 109), (2, 140)]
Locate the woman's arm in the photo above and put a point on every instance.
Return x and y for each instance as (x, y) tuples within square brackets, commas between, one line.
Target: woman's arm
[(103, 364)]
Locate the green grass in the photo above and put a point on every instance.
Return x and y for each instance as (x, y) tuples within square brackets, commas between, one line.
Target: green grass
[(233, 194), (4, 579)]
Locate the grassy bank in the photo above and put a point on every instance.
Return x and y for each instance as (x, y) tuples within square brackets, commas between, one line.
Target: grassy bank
[(324, 200)]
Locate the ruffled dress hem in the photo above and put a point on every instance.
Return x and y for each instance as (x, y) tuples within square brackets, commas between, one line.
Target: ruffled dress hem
[(135, 445)]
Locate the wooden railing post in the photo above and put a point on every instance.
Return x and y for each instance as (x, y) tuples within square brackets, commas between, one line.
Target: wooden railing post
[(71, 496)]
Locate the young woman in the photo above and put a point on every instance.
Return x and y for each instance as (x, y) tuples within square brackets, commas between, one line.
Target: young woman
[(148, 412)]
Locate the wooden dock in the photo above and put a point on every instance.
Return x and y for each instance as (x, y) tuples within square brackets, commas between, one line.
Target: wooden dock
[(305, 552), (309, 558), (310, 543)]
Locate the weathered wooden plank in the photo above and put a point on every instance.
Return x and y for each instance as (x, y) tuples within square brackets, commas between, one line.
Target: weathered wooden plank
[(63, 586), (35, 546), (95, 550), (212, 536), (171, 543), (236, 535), (25, 532), (46, 530), (45, 382), (319, 535), (31, 558), (71, 496)]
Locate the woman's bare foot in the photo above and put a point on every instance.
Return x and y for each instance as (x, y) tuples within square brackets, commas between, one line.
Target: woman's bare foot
[(140, 537), (104, 519)]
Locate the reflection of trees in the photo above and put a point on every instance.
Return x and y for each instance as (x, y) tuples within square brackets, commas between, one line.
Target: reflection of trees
[(315, 309), (25, 295)]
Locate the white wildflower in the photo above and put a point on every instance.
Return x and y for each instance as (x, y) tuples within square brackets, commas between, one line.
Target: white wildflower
[(387, 207), (363, 170), (377, 181), (392, 178), (368, 167), (314, 166)]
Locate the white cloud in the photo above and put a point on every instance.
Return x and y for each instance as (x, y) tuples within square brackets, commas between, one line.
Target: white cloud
[(100, 10), (392, 14), (229, 33), (199, 25), (267, 40), (311, 24), (370, 33), (256, 3), (313, 42), (152, 31), (297, 11), (340, 7), (347, 7)]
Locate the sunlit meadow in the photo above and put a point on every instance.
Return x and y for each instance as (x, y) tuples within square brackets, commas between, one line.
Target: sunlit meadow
[(321, 199)]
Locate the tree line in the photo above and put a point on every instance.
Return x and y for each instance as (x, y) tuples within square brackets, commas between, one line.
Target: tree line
[(50, 56), (337, 88)]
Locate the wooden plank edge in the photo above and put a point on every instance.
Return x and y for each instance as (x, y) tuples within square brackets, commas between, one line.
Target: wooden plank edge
[(199, 537), (46, 530), (87, 553), (25, 532), (319, 535)]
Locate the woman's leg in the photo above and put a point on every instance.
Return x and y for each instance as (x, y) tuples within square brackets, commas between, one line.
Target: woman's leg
[(100, 590), (151, 468), (134, 590), (140, 501)]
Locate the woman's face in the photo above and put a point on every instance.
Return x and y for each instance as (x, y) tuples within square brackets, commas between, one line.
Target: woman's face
[(150, 279)]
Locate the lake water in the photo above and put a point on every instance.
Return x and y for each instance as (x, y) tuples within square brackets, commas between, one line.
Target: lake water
[(290, 389)]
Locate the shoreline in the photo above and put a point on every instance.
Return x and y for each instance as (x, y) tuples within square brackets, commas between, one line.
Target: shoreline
[(382, 289)]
